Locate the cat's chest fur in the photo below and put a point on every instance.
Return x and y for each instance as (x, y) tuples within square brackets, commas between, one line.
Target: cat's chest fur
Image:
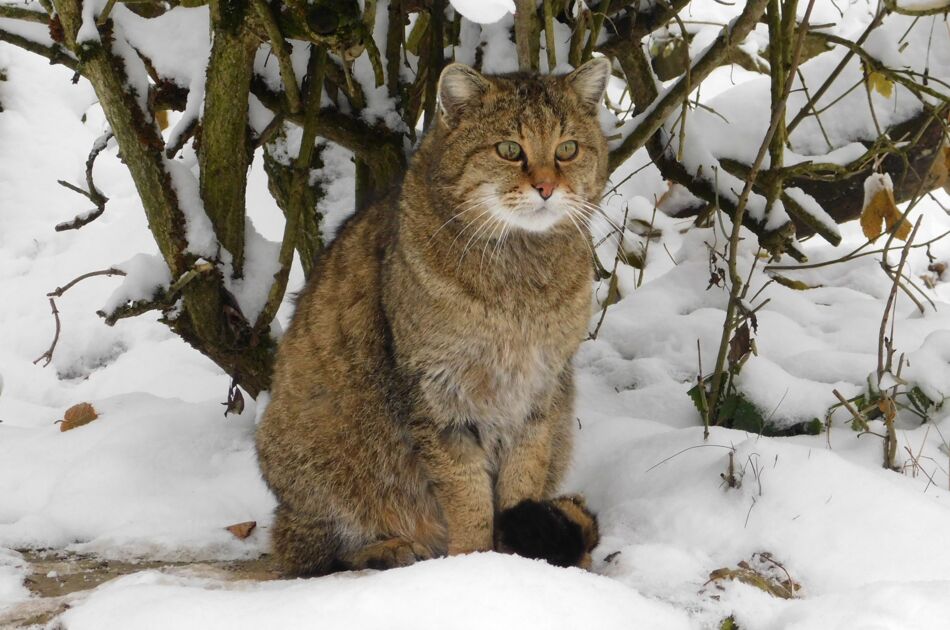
[(485, 363), (493, 373)]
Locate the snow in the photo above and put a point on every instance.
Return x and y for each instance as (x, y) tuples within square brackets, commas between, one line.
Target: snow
[(198, 230), (260, 265), (151, 477), (484, 11), (875, 183), (499, 54), (144, 275), (813, 208), (162, 471), (477, 591)]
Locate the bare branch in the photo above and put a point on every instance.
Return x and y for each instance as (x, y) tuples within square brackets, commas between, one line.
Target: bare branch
[(48, 355), (93, 194), (58, 292), (111, 271), (653, 118)]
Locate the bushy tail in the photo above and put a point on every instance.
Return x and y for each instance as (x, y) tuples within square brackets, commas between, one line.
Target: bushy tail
[(561, 531), (303, 545)]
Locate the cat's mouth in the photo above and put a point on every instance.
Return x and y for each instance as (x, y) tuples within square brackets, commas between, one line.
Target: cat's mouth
[(533, 217)]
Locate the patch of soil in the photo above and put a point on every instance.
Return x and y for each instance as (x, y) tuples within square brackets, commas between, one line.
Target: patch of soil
[(57, 579)]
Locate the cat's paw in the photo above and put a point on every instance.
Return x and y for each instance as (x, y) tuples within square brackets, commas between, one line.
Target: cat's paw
[(388, 554), (561, 531)]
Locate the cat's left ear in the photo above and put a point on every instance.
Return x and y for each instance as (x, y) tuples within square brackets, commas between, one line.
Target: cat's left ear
[(590, 80)]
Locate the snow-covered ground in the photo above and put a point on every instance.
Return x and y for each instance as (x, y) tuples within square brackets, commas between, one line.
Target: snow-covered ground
[(162, 472)]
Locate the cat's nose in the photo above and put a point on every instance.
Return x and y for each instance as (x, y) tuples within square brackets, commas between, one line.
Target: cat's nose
[(545, 189)]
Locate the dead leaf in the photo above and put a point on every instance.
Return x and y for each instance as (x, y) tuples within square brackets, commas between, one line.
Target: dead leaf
[(888, 408), (78, 415), (880, 84), (740, 345), (235, 402), (242, 530), (941, 168), (613, 292), (764, 573), (798, 285), (882, 209)]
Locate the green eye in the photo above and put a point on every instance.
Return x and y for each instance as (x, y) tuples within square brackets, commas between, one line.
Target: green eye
[(566, 150), (509, 150)]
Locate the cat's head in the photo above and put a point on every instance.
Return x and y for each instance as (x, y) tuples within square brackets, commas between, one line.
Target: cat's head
[(524, 149)]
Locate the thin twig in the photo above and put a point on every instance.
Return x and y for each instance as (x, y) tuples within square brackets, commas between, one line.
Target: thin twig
[(111, 271), (58, 292), (891, 297), (613, 273), (48, 355), (778, 117), (93, 194)]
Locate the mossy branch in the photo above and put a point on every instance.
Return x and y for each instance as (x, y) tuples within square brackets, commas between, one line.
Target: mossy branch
[(19, 13), (57, 55), (280, 47), (298, 197)]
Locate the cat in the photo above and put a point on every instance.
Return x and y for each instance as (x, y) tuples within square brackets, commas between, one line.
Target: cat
[(424, 385)]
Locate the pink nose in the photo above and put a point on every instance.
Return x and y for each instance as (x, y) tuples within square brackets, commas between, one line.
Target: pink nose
[(545, 189)]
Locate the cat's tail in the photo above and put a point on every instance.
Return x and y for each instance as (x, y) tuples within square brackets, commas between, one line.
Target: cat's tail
[(561, 531), (302, 544)]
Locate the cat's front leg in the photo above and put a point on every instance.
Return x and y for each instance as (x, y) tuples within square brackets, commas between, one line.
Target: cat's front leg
[(524, 467), (532, 467), (461, 482)]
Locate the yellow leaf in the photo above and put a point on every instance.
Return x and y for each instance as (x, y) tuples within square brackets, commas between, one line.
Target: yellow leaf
[(883, 209), (872, 216), (798, 285), (881, 84), (161, 117)]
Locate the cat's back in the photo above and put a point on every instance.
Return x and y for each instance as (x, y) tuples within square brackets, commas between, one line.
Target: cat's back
[(336, 339)]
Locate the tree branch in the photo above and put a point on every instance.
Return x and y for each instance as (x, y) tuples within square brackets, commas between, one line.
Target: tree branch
[(58, 292), (298, 198), (279, 46), (19, 13), (653, 118), (893, 7), (56, 54), (93, 194)]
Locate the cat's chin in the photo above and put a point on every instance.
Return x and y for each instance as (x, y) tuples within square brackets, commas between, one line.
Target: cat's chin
[(537, 220)]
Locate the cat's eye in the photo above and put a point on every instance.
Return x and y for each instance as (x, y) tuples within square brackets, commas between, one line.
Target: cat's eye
[(566, 150), (509, 150)]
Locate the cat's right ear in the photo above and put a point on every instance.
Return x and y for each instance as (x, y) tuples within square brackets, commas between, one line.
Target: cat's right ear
[(459, 85)]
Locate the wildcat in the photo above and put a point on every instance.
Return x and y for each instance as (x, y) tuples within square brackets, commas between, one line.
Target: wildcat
[(425, 385)]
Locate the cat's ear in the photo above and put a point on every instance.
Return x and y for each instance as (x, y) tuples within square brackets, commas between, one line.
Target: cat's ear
[(458, 86), (590, 80)]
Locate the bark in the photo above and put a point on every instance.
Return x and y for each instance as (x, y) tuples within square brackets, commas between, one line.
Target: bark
[(225, 150), (208, 319)]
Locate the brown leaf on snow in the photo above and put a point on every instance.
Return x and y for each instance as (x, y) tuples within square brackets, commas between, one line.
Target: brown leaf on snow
[(78, 415), (242, 530), (882, 209), (740, 345)]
